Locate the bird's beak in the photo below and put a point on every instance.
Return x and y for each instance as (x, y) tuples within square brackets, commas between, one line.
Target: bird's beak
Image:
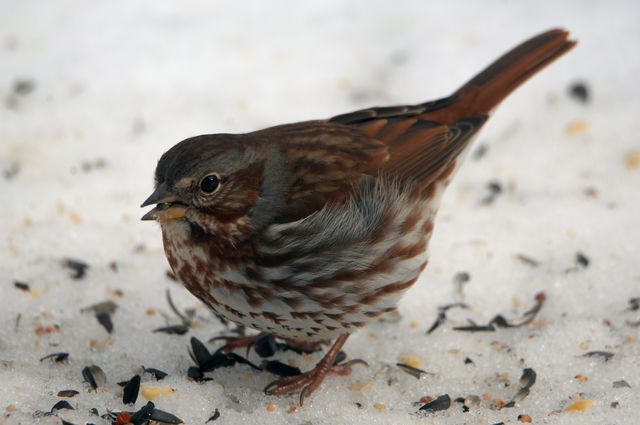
[(168, 206)]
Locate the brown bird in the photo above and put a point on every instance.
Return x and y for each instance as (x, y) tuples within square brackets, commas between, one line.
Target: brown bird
[(307, 231)]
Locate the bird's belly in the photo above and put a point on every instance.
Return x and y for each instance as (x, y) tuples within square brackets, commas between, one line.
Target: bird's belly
[(324, 313), (303, 298)]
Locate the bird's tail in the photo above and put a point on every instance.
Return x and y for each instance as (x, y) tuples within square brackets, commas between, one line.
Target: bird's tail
[(487, 89)]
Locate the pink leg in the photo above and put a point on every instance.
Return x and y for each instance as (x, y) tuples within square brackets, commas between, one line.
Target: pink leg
[(310, 381)]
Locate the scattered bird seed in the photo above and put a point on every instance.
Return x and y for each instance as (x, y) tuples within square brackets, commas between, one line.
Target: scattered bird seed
[(61, 405), (480, 151), (280, 369), (199, 352), (173, 330), (606, 355), (102, 307), (410, 370), (442, 315), (94, 376), (164, 417), (527, 260), (342, 356), (196, 374), (441, 403), (23, 286), (68, 393), (495, 188), (142, 415), (215, 416), (467, 360), (634, 304), (104, 318), (265, 345), (57, 357), (615, 404), (186, 321), (218, 360), (131, 390), (500, 321), (78, 268), (621, 384), (475, 328), (240, 360), (634, 324), (24, 86), (527, 380), (11, 170), (17, 323), (158, 374), (579, 91), (461, 277), (582, 260)]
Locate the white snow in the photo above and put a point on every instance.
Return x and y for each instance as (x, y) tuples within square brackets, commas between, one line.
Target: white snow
[(117, 83)]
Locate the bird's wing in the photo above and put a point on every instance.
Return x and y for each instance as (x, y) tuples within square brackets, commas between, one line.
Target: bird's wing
[(324, 162), (326, 159), (422, 148)]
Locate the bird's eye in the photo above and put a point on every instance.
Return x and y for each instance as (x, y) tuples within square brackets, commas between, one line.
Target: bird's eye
[(210, 183)]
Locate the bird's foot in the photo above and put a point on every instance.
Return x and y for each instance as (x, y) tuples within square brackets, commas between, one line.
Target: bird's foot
[(310, 381)]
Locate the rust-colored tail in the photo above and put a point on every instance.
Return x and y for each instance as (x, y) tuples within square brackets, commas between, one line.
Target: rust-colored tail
[(484, 91), (424, 140)]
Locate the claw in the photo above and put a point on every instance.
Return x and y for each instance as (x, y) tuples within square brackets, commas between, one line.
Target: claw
[(310, 381)]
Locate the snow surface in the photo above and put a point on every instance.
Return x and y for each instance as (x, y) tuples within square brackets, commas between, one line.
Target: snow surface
[(94, 92)]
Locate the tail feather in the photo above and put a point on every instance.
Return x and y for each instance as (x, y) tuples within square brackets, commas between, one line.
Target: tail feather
[(487, 89)]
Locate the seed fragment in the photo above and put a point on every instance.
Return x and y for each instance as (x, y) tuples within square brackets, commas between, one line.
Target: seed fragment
[(56, 357), (215, 416), (173, 330), (158, 374), (78, 268), (579, 91), (441, 403), (410, 370), (164, 417), (67, 393), (94, 376), (104, 318), (23, 286), (621, 384), (61, 405), (131, 390), (606, 355), (579, 405), (265, 345)]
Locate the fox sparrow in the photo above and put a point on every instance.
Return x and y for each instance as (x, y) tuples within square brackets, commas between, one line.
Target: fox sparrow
[(309, 230)]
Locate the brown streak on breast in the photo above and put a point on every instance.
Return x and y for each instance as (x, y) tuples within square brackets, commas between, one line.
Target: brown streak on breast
[(274, 317), (411, 220), (387, 290), (427, 227)]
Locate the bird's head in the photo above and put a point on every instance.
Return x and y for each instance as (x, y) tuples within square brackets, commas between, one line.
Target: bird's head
[(211, 181)]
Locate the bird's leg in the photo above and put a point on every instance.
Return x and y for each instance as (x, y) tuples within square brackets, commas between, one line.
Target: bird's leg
[(234, 342), (305, 346), (310, 381)]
